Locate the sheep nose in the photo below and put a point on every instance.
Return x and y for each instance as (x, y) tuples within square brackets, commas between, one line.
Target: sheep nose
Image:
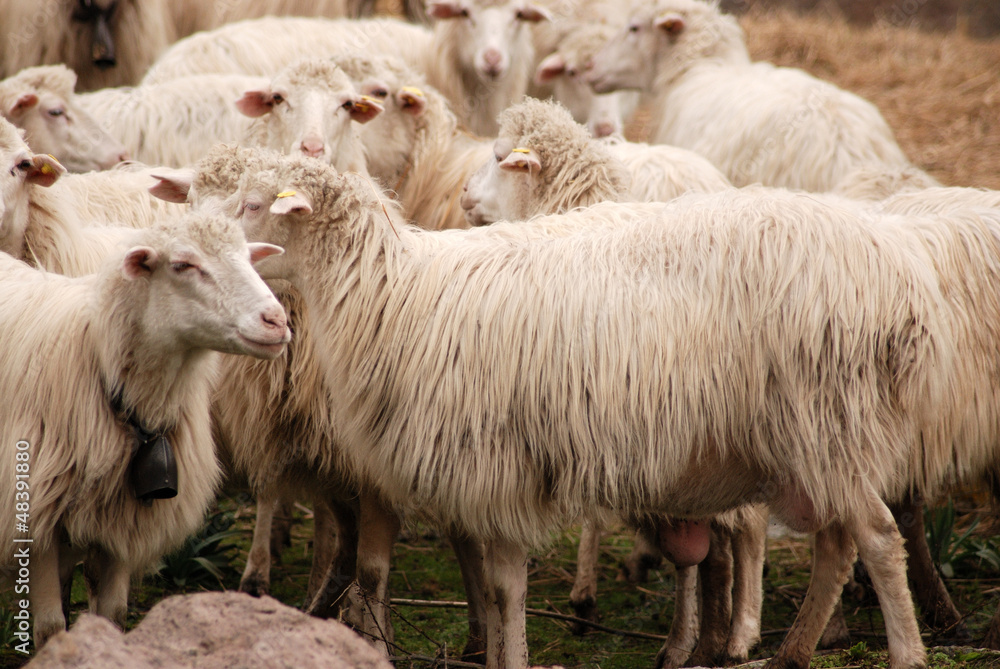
[(274, 318), (603, 129), (312, 147), (122, 157), (492, 59)]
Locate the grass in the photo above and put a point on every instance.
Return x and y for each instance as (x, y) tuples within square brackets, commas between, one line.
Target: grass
[(424, 568)]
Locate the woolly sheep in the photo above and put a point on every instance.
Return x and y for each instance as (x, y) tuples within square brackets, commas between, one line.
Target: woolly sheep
[(41, 101), (878, 183), (561, 75), (58, 223), (192, 16), (81, 357), (105, 43), (754, 121), (295, 447), (546, 163), (558, 167), (479, 55), (508, 457)]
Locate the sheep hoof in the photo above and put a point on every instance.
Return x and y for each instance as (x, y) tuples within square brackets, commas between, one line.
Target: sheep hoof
[(587, 610), (475, 651), (254, 586)]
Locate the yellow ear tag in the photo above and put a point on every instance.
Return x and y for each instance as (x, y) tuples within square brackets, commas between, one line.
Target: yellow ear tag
[(520, 150), (286, 193), (412, 90), (369, 98), (46, 169)]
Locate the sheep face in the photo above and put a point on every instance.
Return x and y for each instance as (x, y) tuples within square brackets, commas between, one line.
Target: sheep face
[(40, 100), (485, 36), (624, 62), (309, 111), (208, 296), (502, 189), (392, 136)]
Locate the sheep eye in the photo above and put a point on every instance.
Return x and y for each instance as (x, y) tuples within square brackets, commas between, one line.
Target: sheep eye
[(380, 93), (24, 165), (250, 206), (277, 98), (58, 111), (180, 266), (633, 28), (571, 72)]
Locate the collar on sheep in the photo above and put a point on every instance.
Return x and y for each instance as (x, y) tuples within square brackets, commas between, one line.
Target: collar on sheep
[(153, 468)]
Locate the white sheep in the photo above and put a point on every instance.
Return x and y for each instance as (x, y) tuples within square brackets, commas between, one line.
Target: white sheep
[(545, 163), (295, 448), (505, 384), (87, 365), (191, 16), (62, 224), (106, 44), (875, 182), (41, 101), (560, 74), (307, 107), (479, 54), (754, 121)]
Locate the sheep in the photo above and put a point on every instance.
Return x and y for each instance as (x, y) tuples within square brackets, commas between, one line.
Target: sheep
[(877, 183), (561, 75), (827, 372), (88, 364), (479, 54), (105, 43), (308, 107), (62, 224), (754, 121), (556, 167), (545, 163), (295, 447), (41, 101)]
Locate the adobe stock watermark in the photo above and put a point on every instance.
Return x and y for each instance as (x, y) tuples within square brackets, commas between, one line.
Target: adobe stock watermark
[(22, 546)]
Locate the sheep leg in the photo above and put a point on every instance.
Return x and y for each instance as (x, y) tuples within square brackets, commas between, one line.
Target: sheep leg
[(256, 579), (470, 561), (280, 536), (325, 540), (68, 559), (833, 555), (341, 565), (378, 529), (881, 548), (645, 555), (583, 596), (506, 577), (716, 575), (937, 609), (836, 634), (684, 626), (749, 549), (46, 594), (108, 581)]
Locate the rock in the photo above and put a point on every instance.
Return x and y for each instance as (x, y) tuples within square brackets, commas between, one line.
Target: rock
[(211, 631)]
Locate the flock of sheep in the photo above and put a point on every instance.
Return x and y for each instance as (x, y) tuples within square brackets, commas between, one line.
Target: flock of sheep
[(506, 317)]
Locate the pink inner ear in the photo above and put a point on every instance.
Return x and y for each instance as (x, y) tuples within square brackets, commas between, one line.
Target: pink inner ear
[(259, 251), (255, 103), (445, 10), (45, 170), (672, 24), (412, 104), (550, 68), (364, 110), (138, 262), (26, 101), (533, 14)]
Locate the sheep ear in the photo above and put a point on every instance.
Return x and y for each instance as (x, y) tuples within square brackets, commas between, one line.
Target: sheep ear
[(364, 108), (411, 100), (260, 250), (446, 10), (533, 14), (45, 170), (291, 202), (521, 162), (255, 103), (23, 103), (139, 262), (173, 186), (672, 24), (550, 68)]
